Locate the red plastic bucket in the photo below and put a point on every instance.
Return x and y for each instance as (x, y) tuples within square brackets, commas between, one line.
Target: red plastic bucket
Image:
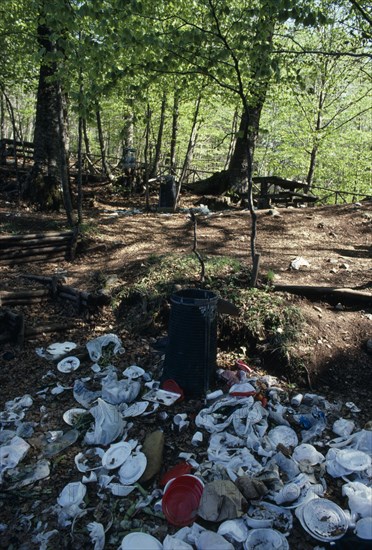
[(181, 500)]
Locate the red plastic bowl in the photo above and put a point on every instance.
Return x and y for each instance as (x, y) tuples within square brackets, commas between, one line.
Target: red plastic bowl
[(181, 500), (177, 471)]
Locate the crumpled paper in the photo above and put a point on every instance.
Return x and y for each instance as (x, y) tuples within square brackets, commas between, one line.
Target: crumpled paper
[(221, 500)]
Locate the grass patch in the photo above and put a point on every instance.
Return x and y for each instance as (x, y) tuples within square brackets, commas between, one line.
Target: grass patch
[(266, 324)]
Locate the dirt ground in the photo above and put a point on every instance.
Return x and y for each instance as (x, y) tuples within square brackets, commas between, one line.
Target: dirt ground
[(335, 240)]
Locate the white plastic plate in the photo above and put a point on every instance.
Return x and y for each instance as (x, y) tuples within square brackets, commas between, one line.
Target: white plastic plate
[(324, 519)]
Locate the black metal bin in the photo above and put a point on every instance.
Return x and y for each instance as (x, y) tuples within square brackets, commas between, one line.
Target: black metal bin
[(190, 357)]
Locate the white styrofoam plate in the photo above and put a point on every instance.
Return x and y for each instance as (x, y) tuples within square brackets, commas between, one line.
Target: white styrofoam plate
[(142, 541), (116, 455), (133, 468)]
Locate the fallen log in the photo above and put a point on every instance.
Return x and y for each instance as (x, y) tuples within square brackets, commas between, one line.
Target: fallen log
[(34, 331), (31, 236), (25, 301), (32, 251), (329, 293), (29, 243), (35, 247), (67, 296), (36, 258), (8, 296), (68, 290)]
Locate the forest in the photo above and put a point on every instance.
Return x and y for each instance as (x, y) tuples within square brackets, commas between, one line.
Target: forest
[(242, 89)]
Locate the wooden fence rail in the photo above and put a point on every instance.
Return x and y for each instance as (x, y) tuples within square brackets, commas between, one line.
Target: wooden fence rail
[(15, 149), (38, 247)]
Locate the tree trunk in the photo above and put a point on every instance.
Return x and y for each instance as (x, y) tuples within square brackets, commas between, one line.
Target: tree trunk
[(314, 150), (246, 140), (14, 127), (2, 118), (65, 176), (105, 166), (146, 155), (44, 183), (128, 130), (175, 118), (234, 128), (155, 167), (80, 171), (190, 149)]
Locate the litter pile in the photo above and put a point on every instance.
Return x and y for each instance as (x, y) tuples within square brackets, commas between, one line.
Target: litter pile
[(259, 460)]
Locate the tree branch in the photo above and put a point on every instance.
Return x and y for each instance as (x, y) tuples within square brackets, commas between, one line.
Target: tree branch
[(322, 52), (362, 11)]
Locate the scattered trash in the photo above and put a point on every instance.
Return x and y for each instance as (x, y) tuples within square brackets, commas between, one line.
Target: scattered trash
[(173, 387), (234, 530), (30, 474), (343, 427), (323, 519), (210, 539), (84, 396), (68, 364), (133, 372), (56, 351), (12, 453), (265, 538), (214, 395), (115, 455), (90, 459), (299, 262), (257, 459), (197, 439), (221, 500), (116, 391), (363, 528), (264, 515), (133, 468), (162, 396), (352, 407), (97, 535), (60, 442), (95, 347), (152, 448), (70, 500), (108, 424), (178, 470), (283, 435), (135, 410), (71, 416), (297, 400), (140, 540)]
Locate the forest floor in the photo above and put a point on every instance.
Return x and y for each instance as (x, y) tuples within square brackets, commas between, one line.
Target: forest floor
[(118, 241)]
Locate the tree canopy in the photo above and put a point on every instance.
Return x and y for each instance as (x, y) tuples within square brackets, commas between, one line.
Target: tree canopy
[(300, 71)]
